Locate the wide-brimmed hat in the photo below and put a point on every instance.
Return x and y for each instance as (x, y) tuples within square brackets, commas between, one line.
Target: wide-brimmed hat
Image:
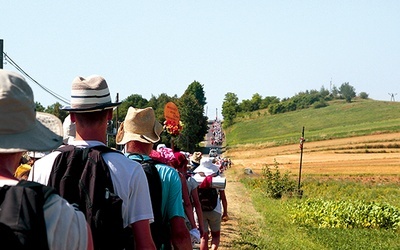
[(90, 94), (207, 167), (21, 127), (139, 125), (196, 157)]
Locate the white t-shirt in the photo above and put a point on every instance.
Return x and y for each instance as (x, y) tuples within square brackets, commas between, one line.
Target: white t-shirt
[(66, 227), (128, 177)]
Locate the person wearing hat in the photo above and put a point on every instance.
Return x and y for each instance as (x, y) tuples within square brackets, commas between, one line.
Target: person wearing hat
[(180, 163), (23, 129), (90, 110), (139, 132), (195, 159), (212, 219)]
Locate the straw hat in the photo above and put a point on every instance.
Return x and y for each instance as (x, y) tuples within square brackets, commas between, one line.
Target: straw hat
[(139, 125), (207, 167), (90, 94), (196, 157), (21, 127)]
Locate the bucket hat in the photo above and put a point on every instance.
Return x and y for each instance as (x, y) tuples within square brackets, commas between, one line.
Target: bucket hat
[(139, 125), (21, 127), (90, 94), (207, 167)]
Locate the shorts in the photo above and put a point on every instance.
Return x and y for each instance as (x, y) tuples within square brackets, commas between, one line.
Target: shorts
[(212, 221)]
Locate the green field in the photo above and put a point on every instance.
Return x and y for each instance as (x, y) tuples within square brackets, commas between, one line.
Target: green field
[(331, 214), (338, 120)]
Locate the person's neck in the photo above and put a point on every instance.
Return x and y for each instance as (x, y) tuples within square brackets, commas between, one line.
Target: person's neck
[(138, 148), (91, 136), (9, 162)]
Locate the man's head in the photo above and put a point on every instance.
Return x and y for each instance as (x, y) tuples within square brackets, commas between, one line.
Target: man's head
[(21, 127), (139, 125), (90, 94)]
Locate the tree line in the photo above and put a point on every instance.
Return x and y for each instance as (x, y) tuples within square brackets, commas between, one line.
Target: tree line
[(191, 108), (232, 108)]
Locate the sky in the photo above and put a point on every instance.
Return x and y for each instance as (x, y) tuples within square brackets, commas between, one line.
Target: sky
[(272, 48)]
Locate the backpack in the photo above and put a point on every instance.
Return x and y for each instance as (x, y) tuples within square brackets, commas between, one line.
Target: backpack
[(22, 224), (208, 198), (159, 228), (83, 178)]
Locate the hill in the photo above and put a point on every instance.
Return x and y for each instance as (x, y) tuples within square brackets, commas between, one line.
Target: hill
[(338, 120)]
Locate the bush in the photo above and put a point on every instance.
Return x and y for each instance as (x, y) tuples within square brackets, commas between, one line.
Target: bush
[(346, 214), (320, 104), (363, 95)]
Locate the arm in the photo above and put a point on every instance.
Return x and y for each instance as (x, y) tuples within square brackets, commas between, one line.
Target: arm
[(180, 237), (90, 238), (199, 212), (224, 204), (187, 205), (62, 219), (142, 235)]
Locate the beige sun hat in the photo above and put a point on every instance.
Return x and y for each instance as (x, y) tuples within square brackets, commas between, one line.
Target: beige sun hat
[(139, 125), (21, 127), (196, 157), (90, 94), (207, 167)]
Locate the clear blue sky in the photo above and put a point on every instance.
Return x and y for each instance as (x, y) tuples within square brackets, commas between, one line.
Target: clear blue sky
[(273, 48)]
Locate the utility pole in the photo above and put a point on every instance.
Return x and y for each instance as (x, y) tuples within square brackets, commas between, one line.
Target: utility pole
[(1, 53), (302, 140), (116, 124)]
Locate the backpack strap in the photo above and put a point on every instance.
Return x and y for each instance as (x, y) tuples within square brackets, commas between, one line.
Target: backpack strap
[(83, 177), (160, 227)]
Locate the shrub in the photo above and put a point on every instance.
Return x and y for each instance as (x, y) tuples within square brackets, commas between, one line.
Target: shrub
[(346, 214)]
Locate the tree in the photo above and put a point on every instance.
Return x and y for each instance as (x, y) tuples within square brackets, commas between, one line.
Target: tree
[(158, 104), (135, 100), (230, 108), (197, 90), (56, 110), (347, 91), (256, 100), (269, 100), (195, 123), (39, 107)]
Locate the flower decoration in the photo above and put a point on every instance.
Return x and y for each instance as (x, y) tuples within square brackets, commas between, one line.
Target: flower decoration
[(173, 128)]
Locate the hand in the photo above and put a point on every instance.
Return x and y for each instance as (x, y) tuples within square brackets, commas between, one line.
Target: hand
[(225, 217)]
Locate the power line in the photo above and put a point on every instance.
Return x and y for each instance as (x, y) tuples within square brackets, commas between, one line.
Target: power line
[(54, 94)]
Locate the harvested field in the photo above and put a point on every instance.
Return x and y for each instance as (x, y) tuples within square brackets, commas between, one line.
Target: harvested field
[(373, 158)]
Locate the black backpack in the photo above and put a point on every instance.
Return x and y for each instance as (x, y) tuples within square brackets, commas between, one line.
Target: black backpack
[(159, 228), (208, 198), (82, 177), (22, 224)]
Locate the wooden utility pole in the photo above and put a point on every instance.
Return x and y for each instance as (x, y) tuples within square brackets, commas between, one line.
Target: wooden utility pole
[(302, 140), (1, 53)]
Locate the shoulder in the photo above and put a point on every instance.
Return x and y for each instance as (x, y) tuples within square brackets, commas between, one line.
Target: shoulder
[(62, 219)]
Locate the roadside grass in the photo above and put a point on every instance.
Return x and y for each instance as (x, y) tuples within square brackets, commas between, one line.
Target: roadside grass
[(338, 120), (278, 230)]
